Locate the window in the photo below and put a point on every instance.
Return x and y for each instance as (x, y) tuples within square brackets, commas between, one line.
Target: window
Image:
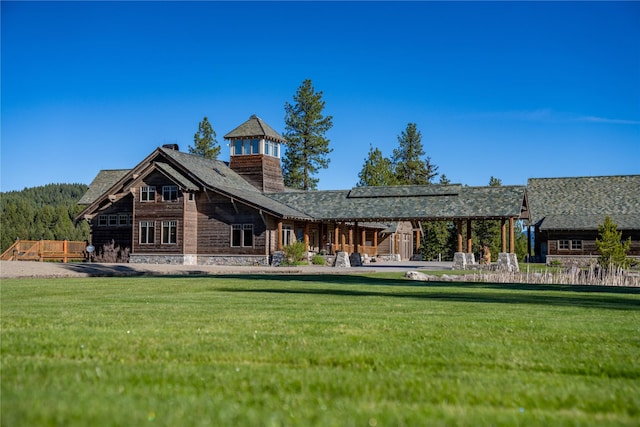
[(147, 232), (169, 232), (242, 235), (169, 192), (102, 220), (147, 194), (287, 235), (113, 220), (123, 219), (565, 245), (238, 147)]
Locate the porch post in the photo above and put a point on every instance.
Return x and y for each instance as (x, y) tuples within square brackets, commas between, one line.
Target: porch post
[(343, 236), (512, 248), (279, 247), (336, 237), (363, 238), (503, 234), (306, 236), (469, 243), (459, 226)]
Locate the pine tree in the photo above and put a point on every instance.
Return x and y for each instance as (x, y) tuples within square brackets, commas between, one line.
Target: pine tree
[(409, 166), (307, 147), (613, 251), (377, 170), (204, 141)]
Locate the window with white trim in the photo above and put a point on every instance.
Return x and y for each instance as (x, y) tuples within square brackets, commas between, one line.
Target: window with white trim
[(147, 194), (287, 235), (169, 192), (123, 219), (169, 232), (113, 220), (242, 235), (103, 220), (574, 245), (147, 232)]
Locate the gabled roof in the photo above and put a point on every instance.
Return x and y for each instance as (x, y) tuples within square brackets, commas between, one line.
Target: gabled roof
[(255, 127), (584, 202), (432, 202), (101, 183), (191, 172)]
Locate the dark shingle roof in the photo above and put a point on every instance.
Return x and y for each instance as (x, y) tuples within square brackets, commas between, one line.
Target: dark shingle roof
[(255, 127), (101, 183), (470, 202), (584, 202)]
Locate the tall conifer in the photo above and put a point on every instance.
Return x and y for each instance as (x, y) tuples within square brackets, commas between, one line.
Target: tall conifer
[(307, 146)]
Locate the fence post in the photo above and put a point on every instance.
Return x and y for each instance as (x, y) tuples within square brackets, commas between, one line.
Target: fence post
[(40, 249), (64, 250)]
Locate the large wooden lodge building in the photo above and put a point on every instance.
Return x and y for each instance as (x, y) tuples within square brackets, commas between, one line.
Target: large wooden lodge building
[(181, 208)]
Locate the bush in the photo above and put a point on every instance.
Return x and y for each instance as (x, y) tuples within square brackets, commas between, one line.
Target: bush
[(295, 252), (318, 260), (112, 253)]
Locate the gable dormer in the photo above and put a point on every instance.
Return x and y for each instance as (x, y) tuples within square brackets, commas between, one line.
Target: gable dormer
[(255, 154)]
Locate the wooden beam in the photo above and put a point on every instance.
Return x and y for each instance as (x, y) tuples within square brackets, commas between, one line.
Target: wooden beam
[(503, 234), (279, 247), (306, 235), (469, 242), (459, 227), (511, 236)]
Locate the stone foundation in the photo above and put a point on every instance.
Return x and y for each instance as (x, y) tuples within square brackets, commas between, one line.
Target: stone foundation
[(508, 262), (463, 261), (180, 259)]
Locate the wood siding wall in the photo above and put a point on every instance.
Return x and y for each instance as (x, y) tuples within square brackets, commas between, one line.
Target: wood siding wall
[(215, 217), (120, 234), (588, 239), (263, 172)]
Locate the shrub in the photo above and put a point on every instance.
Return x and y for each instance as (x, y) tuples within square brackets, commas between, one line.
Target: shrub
[(295, 252), (318, 260), (111, 252)]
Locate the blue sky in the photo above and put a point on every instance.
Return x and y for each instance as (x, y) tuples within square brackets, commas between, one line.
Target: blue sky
[(504, 89)]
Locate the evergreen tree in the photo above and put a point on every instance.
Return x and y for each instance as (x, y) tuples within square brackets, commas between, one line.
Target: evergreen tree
[(407, 160), (42, 212), (613, 251), (305, 129), (204, 141), (377, 170)]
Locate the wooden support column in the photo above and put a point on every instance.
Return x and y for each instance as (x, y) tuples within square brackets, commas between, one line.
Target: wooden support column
[(503, 234), (459, 227), (306, 236), (65, 250), (336, 237), (512, 245), (350, 242), (363, 239), (279, 247), (356, 245), (469, 242), (375, 242), (343, 237), (418, 237), (528, 242)]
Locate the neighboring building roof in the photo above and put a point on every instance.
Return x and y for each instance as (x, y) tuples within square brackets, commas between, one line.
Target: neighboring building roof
[(101, 183), (255, 127), (432, 202), (582, 203)]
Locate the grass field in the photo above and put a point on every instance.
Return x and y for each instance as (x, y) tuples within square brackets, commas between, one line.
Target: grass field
[(332, 350)]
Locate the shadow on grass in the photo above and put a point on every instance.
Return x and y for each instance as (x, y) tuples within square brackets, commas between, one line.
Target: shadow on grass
[(104, 270), (514, 293)]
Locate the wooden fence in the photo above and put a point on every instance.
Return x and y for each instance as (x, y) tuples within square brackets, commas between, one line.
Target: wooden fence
[(45, 250)]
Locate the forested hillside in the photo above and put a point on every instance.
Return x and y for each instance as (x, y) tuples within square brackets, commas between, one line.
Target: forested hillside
[(45, 212)]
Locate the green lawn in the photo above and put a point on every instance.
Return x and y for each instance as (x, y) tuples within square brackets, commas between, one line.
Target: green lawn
[(332, 350)]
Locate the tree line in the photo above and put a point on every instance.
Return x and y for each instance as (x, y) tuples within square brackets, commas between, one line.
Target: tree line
[(44, 212)]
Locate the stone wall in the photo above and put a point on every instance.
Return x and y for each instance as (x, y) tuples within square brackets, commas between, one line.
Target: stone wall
[(244, 260), (576, 260)]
